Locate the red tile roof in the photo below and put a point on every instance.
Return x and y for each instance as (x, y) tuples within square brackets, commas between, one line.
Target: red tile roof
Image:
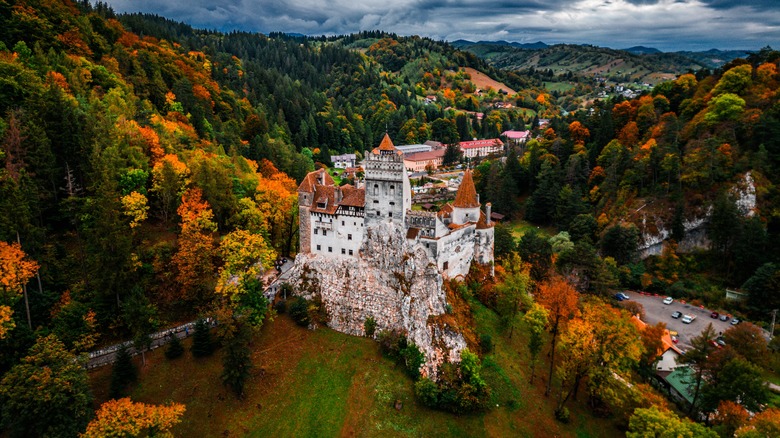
[(353, 197), (467, 194), (481, 143), (312, 179)]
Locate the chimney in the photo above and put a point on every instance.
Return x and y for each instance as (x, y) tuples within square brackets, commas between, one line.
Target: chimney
[(488, 208), (477, 198), (322, 177)]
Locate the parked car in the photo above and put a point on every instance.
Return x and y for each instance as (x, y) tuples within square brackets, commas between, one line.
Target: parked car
[(720, 341), (734, 321), (724, 317), (687, 319), (714, 315), (675, 340), (668, 300), (676, 315), (620, 296)]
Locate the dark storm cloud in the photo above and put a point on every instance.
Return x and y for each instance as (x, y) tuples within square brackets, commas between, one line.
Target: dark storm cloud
[(665, 24)]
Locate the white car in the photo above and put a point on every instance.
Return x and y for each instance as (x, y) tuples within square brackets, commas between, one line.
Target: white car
[(668, 300)]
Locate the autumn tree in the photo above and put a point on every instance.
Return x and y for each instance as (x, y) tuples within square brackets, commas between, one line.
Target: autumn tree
[(194, 258), (47, 393), (536, 320), (739, 381), (729, 417), (15, 271), (560, 300), (512, 290), (655, 422), (749, 342), (652, 336), (763, 424), (125, 418)]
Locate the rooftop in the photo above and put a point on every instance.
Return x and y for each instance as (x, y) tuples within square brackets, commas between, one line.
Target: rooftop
[(467, 194)]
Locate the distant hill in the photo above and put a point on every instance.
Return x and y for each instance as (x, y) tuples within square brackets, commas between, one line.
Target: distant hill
[(715, 58), (460, 44), (652, 66), (642, 50)]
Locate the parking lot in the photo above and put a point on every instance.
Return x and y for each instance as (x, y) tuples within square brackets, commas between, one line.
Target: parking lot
[(656, 311)]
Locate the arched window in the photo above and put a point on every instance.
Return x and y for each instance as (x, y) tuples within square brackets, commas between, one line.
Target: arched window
[(392, 190), (376, 189)]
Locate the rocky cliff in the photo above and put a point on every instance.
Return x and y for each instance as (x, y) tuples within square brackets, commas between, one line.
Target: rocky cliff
[(655, 230), (396, 284)]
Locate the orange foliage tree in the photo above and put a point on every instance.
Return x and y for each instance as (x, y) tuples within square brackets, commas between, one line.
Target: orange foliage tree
[(194, 258), (560, 299), (15, 271), (125, 418), (277, 199)]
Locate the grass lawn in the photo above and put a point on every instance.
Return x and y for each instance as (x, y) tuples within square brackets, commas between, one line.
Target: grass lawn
[(520, 227), (323, 383), (335, 174), (558, 86)]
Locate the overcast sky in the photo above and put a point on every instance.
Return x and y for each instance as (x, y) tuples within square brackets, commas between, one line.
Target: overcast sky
[(664, 24)]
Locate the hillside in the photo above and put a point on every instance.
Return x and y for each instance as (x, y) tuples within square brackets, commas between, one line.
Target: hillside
[(589, 61)]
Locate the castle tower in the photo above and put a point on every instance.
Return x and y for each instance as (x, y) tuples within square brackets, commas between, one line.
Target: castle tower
[(466, 206), (306, 191), (388, 191)]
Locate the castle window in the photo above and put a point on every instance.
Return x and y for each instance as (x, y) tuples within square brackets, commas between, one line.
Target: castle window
[(330, 249), (392, 190), (349, 237), (392, 203), (376, 189), (343, 251), (391, 214), (350, 252), (376, 201), (446, 265), (318, 248), (324, 232), (342, 223), (315, 231)]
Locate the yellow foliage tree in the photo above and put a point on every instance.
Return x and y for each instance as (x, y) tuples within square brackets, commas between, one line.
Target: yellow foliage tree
[(125, 418), (136, 208), (246, 256), (276, 197)]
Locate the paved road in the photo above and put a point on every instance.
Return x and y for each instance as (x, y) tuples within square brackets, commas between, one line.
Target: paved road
[(656, 311)]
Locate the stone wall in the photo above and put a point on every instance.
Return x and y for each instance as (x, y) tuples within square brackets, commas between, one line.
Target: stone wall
[(396, 284)]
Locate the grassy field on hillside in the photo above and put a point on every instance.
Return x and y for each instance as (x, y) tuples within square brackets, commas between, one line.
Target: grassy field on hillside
[(558, 86), (323, 383)]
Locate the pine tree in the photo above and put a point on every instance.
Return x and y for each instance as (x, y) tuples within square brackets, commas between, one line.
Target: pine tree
[(237, 360), (123, 374), (202, 345), (174, 349)]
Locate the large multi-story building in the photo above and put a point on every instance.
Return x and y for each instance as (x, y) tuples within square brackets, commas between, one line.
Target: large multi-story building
[(333, 219)]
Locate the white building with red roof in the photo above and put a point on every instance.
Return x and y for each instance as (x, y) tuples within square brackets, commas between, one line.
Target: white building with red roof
[(481, 148)]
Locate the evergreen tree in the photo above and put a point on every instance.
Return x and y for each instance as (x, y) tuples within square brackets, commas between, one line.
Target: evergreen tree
[(621, 242), (202, 344), (123, 374), (237, 360), (542, 203), (175, 349)]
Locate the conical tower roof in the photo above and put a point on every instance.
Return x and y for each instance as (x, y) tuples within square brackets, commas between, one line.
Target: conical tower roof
[(467, 194), (387, 144)]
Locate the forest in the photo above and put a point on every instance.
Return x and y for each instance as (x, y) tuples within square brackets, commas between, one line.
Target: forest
[(149, 174)]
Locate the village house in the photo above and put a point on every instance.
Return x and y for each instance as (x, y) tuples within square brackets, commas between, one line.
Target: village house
[(481, 148), (343, 161), (419, 162)]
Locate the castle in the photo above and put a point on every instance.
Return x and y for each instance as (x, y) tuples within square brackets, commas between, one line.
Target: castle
[(334, 219)]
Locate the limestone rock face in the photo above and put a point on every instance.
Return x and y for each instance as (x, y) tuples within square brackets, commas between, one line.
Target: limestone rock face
[(396, 284), (654, 231)]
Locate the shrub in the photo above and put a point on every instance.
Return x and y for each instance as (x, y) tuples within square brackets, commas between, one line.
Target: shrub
[(280, 306), (413, 359), (562, 414), (427, 392), (448, 309), (202, 345), (369, 326), (486, 344), (299, 311), (389, 343), (174, 349)]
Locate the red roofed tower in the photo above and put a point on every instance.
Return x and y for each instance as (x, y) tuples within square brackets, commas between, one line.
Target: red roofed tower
[(466, 206)]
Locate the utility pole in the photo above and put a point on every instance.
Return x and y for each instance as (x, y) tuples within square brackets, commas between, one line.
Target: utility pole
[(772, 330)]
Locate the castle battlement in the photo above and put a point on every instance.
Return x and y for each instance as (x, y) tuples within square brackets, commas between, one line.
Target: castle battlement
[(334, 220)]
